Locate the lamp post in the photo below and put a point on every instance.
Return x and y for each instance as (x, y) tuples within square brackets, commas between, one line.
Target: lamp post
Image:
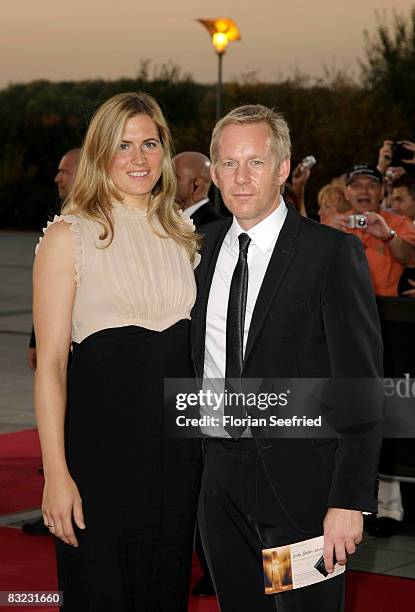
[(222, 31)]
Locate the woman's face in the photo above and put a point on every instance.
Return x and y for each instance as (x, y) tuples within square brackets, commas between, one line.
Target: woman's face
[(136, 167), (326, 210)]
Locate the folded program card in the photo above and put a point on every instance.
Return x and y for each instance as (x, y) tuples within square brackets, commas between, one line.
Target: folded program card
[(296, 565)]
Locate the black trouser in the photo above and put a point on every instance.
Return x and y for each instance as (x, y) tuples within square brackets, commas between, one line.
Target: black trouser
[(233, 518)]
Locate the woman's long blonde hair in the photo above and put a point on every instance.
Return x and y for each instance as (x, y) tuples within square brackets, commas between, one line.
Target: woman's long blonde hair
[(93, 191)]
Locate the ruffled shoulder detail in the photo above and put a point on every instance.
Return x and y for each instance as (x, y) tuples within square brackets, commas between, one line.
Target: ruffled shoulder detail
[(191, 224), (187, 219), (75, 227)]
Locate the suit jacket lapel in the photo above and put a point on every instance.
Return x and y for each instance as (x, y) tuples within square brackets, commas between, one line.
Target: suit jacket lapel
[(205, 276), (280, 259)]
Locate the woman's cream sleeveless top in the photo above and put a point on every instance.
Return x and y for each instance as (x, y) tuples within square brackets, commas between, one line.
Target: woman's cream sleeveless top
[(140, 279)]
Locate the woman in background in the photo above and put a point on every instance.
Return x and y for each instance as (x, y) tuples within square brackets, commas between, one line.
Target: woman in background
[(113, 276), (331, 200)]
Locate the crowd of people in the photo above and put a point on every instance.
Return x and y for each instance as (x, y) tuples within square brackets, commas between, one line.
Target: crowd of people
[(384, 197), (115, 312)]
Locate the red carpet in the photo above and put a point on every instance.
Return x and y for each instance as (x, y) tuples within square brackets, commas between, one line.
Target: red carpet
[(20, 484), (377, 593), (28, 563)]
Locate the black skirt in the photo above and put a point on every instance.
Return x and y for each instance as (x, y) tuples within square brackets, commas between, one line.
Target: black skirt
[(139, 489)]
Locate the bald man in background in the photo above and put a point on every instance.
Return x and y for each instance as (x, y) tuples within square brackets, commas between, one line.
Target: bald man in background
[(64, 179), (67, 168), (193, 183)]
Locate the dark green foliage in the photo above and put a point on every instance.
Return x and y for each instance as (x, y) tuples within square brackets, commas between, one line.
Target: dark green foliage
[(337, 120), (389, 70)]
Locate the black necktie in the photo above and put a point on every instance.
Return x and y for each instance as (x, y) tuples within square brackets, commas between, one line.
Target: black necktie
[(235, 323)]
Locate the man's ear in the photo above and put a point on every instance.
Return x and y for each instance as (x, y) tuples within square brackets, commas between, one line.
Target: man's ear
[(213, 175), (197, 189), (197, 184), (284, 171)]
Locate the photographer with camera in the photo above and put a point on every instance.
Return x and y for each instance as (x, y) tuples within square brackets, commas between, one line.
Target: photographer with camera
[(397, 156), (388, 238)]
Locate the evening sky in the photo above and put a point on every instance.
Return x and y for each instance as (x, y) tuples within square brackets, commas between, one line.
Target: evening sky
[(82, 39)]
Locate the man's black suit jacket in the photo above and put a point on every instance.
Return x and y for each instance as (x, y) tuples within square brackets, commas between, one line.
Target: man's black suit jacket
[(207, 213), (315, 316)]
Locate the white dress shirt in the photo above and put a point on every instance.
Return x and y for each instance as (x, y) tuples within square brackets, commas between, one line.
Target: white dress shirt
[(194, 207), (263, 238)]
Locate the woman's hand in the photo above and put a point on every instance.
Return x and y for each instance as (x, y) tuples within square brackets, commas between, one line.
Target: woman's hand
[(62, 503)]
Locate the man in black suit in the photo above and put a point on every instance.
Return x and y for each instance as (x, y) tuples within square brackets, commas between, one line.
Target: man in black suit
[(193, 183), (293, 299)]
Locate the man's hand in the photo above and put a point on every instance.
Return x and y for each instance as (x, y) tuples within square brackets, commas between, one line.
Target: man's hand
[(377, 226), (411, 147), (385, 155), (343, 529), (31, 358), (410, 292)]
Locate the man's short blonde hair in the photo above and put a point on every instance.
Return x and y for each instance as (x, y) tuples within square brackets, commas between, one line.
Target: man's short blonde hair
[(255, 113)]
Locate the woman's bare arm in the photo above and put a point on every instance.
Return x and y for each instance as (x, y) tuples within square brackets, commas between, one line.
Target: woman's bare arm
[(53, 299)]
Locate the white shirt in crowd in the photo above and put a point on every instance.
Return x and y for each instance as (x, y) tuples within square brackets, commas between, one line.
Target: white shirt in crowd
[(194, 207)]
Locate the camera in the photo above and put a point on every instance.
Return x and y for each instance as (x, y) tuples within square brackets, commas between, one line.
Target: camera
[(356, 221), (399, 153), (309, 161)]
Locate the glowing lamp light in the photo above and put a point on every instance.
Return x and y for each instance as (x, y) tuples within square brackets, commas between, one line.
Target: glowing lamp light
[(220, 41), (222, 31)]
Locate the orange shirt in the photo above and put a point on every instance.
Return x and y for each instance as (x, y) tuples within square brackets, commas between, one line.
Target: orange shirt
[(385, 270)]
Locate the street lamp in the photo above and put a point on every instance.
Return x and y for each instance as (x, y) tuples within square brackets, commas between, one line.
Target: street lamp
[(222, 31)]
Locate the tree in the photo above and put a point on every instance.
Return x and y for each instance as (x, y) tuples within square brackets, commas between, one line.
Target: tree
[(389, 69)]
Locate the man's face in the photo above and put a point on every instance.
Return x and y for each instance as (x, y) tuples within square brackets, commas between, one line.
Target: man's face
[(66, 174), (402, 202), (364, 194), (185, 183), (247, 173)]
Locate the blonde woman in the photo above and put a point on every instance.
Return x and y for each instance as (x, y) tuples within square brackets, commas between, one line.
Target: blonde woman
[(331, 200), (113, 277)]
